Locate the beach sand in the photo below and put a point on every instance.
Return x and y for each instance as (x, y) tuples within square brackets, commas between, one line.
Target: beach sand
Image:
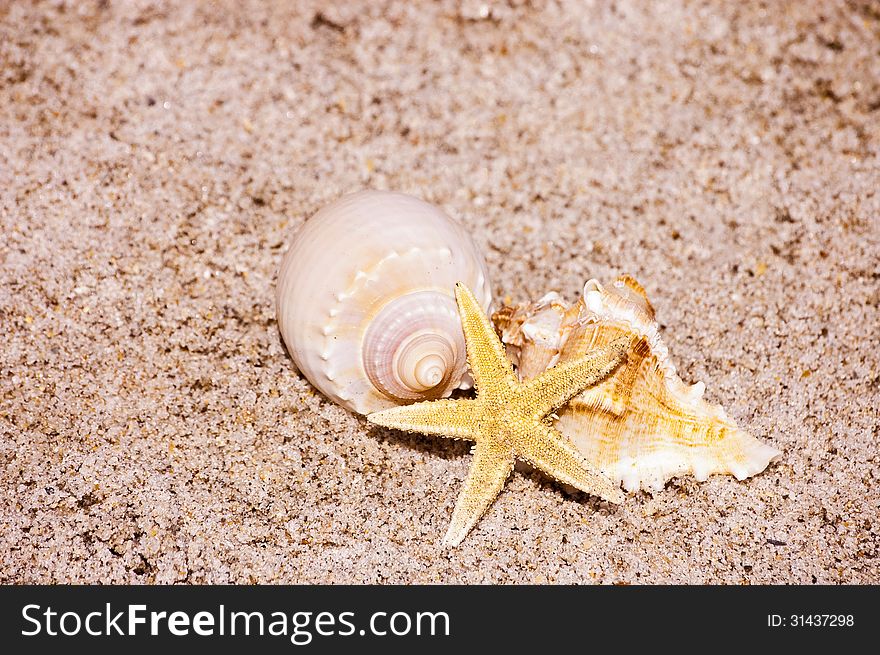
[(154, 160)]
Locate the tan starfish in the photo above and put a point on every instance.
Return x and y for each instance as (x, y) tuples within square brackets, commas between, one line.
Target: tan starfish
[(507, 419)]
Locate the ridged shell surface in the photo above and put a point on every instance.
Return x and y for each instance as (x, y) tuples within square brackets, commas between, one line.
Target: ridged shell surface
[(365, 300), (643, 425)]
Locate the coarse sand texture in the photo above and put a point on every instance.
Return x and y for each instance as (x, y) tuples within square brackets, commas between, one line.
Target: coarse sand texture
[(156, 156)]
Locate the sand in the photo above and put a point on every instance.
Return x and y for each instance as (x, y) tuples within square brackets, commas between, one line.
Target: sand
[(154, 160)]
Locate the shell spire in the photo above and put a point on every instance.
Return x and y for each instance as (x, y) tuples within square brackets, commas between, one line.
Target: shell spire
[(643, 425)]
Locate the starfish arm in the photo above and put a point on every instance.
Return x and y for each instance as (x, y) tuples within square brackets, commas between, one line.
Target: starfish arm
[(554, 454), (447, 418), (556, 386), (613, 394), (490, 468), (485, 353)]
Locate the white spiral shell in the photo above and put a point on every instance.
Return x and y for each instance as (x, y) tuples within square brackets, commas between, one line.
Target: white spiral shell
[(365, 300)]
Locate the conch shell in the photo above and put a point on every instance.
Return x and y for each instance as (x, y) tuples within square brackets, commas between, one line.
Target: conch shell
[(643, 425), (364, 300)]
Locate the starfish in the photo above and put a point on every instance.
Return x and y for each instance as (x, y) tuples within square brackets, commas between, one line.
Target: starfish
[(507, 419)]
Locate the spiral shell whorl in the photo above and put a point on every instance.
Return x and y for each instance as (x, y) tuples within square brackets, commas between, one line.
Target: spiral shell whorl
[(414, 348)]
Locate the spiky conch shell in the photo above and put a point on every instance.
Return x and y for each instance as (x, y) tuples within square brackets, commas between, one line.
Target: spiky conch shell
[(643, 425), (365, 300)]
